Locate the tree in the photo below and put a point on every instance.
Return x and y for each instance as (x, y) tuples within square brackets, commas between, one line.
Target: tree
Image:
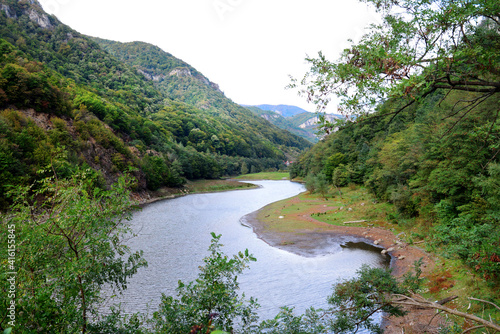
[(68, 246), (244, 168), (354, 302), (212, 301), (310, 183), (322, 185), (420, 46), (333, 162)]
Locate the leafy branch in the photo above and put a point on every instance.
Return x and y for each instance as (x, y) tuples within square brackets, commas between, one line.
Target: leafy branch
[(420, 46)]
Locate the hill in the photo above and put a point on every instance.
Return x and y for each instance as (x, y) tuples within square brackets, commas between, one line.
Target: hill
[(68, 103), (439, 170), (298, 121), (181, 82), (285, 123), (282, 109)]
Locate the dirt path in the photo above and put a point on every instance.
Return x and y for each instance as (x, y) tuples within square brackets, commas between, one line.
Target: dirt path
[(301, 234)]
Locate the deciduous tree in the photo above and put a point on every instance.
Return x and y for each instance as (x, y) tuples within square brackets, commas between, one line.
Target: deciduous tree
[(420, 46), (68, 246)]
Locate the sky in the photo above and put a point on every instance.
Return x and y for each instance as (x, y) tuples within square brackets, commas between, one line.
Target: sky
[(248, 47)]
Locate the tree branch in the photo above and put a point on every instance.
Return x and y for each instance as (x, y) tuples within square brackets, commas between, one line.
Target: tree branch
[(471, 104), (485, 301), (472, 328), (471, 107), (419, 301), (469, 86)]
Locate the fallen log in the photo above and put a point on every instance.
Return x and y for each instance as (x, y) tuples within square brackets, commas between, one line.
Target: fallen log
[(355, 222)]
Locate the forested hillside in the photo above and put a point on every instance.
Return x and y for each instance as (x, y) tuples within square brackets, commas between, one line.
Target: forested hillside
[(85, 122), (432, 145), (68, 103), (181, 82), (441, 171)]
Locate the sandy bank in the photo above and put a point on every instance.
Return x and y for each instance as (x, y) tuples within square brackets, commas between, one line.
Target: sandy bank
[(316, 238)]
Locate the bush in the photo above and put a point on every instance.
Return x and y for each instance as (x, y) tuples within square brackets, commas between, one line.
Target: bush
[(211, 302), (401, 197), (310, 183), (477, 244)]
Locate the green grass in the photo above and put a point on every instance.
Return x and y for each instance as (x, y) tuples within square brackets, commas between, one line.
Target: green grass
[(334, 210), (265, 176), (205, 186), (355, 204)]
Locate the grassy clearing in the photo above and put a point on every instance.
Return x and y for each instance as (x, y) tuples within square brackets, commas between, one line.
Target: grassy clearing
[(199, 186), (265, 176), (354, 205), (204, 186), (289, 208), (450, 276)]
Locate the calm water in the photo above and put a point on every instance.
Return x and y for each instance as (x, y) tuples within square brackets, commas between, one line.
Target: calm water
[(175, 235)]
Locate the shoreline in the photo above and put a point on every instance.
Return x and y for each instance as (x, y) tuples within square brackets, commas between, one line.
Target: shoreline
[(145, 198), (317, 238), (315, 241)]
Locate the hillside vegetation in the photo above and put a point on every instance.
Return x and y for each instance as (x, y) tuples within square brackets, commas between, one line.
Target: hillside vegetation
[(431, 147), (441, 172), (85, 123), (68, 103)]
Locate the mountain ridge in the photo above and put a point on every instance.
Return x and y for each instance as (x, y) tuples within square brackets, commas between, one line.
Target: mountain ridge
[(161, 118), (303, 124), (284, 110)]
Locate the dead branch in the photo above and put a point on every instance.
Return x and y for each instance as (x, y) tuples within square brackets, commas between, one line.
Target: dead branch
[(419, 301), (484, 301), (446, 300), (355, 222), (471, 329), (435, 315)]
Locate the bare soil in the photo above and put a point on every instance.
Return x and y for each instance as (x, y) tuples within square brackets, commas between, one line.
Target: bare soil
[(309, 237)]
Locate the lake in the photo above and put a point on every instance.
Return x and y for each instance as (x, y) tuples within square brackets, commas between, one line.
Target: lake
[(175, 234)]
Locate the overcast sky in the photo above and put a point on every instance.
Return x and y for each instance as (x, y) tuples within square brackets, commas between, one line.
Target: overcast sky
[(248, 47)]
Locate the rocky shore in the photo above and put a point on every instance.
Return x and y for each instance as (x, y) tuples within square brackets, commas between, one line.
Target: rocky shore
[(314, 238)]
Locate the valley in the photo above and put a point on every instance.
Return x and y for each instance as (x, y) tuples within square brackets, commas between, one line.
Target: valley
[(124, 170)]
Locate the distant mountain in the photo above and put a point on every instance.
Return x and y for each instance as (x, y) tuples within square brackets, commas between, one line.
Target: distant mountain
[(181, 82), (282, 109), (303, 124)]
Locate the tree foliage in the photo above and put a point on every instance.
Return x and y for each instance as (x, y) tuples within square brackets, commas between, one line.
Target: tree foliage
[(69, 245), (419, 46), (447, 178), (212, 301), (116, 117)]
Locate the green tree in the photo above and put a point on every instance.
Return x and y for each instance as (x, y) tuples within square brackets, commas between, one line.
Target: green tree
[(286, 322), (68, 237), (244, 168), (212, 301), (333, 162), (420, 46), (310, 180), (322, 185), (339, 177), (355, 301)]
